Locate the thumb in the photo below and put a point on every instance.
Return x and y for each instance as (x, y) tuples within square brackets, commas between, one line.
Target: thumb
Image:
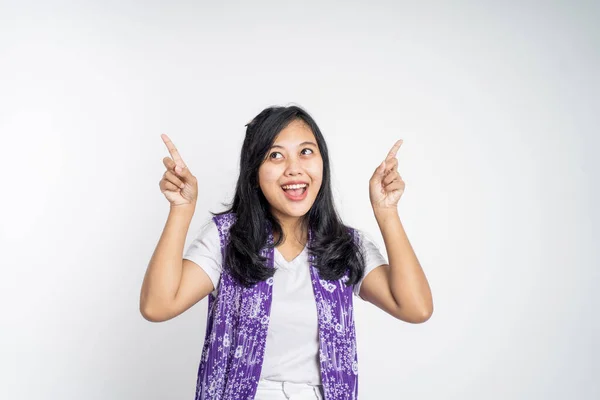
[(184, 172), (379, 172), (381, 169)]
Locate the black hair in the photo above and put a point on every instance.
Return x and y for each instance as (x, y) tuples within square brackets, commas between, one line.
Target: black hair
[(332, 247)]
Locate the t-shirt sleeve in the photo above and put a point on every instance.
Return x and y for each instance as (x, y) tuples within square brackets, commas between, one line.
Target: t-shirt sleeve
[(205, 250), (373, 258)]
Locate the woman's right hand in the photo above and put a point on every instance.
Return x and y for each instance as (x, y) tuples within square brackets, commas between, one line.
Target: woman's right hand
[(178, 184)]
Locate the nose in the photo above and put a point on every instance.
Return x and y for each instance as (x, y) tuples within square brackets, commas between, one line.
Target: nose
[(293, 167)]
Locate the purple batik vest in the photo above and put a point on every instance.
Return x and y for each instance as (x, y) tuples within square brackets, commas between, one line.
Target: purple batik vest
[(236, 332)]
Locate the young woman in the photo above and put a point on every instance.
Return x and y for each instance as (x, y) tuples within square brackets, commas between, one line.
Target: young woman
[(280, 268)]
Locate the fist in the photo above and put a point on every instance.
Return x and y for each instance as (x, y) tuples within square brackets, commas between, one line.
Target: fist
[(178, 184), (386, 185)]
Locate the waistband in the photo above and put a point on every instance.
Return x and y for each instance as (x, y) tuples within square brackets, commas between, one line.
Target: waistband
[(286, 386)]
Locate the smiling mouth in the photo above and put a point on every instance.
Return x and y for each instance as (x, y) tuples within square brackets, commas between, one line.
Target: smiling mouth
[(295, 192)]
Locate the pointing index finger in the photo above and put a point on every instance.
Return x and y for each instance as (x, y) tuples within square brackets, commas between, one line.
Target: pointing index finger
[(173, 150), (394, 149)]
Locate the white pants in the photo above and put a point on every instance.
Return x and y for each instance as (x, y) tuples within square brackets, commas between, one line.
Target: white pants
[(272, 390)]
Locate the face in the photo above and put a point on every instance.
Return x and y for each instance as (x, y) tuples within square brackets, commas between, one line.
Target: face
[(293, 159)]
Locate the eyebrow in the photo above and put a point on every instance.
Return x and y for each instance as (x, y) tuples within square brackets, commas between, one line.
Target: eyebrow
[(301, 144)]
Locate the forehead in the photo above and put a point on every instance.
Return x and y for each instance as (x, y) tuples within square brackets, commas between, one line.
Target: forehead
[(296, 132)]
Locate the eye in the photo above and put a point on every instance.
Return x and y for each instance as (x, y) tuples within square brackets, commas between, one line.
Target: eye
[(273, 153), (308, 150)]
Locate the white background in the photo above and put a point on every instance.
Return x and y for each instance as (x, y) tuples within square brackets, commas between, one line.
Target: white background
[(495, 102)]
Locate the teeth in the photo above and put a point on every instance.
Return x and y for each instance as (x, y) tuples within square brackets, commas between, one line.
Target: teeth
[(298, 186)]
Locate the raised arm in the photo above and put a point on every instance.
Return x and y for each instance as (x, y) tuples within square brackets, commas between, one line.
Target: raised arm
[(400, 288), (172, 285)]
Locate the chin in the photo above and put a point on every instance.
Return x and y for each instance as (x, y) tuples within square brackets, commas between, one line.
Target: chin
[(295, 211)]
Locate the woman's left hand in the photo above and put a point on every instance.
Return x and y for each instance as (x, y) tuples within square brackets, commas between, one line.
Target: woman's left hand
[(386, 186)]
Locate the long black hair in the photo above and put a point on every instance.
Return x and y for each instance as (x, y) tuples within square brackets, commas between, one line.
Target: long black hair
[(332, 245)]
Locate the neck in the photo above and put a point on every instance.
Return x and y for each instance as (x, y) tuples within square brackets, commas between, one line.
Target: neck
[(294, 230)]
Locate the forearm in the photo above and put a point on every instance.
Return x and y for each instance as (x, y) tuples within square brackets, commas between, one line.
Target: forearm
[(164, 271), (408, 283)]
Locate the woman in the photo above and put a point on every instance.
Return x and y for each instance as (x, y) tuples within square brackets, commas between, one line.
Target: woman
[(281, 268)]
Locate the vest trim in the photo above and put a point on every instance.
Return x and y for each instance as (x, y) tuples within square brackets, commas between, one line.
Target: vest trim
[(238, 321)]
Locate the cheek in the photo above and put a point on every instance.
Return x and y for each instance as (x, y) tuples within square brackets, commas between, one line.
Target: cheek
[(316, 173), (268, 177)]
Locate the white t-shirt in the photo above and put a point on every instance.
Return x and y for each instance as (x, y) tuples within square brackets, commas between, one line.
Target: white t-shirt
[(292, 346)]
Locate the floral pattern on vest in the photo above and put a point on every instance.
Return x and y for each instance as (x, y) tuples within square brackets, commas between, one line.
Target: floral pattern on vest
[(237, 325)]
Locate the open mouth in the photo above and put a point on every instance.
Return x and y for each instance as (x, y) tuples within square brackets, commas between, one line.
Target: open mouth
[(296, 191)]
